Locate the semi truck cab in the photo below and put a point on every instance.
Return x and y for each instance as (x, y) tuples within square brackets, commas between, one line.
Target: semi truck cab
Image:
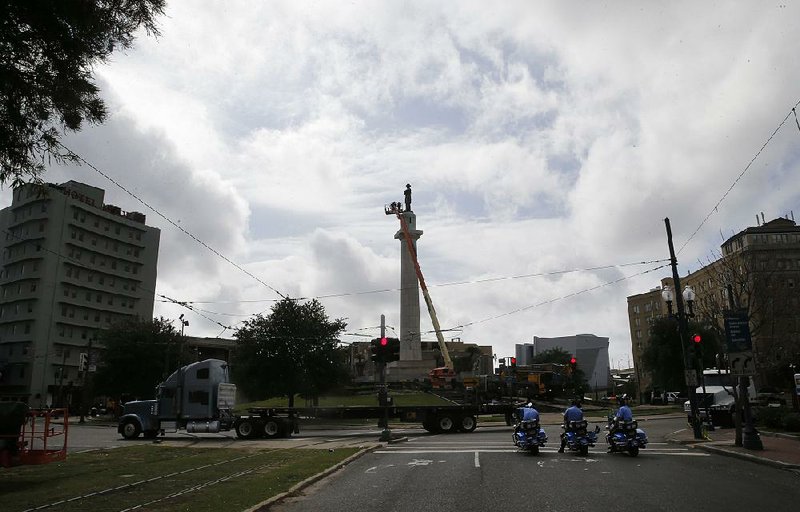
[(198, 398)]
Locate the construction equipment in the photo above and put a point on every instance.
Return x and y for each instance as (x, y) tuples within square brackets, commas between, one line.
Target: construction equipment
[(447, 372)]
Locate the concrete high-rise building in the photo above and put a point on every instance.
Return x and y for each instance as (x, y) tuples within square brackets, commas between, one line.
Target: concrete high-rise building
[(71, 265), (590, 351)]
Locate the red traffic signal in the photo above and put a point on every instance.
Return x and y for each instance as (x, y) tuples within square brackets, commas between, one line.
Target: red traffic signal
[(384, 341), (697, 338), (513, 361), (573, 361)]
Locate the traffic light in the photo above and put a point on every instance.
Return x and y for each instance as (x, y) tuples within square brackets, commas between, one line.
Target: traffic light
[(513, 362), (393, 350), (385, 350), (374, 351), (573, 363), (696, 338)]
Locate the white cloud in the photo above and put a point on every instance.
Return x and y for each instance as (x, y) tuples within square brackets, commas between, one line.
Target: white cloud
[(537, 139)]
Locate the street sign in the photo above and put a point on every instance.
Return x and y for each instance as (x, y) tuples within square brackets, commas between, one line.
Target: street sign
[(742, 364), (691, 378), (737, 332)]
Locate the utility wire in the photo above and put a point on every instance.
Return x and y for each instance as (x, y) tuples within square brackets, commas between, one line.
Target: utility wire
[(758, 153), (192, 236), (455, 283), (550, 301)]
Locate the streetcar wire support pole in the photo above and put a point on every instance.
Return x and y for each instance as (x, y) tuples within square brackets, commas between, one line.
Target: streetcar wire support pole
[(683, 334)]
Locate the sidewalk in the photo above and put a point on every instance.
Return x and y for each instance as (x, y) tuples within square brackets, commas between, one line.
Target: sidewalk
[(780, 450)]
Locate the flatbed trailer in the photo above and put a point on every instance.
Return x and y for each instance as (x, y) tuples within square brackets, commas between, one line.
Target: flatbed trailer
[(272, 422)]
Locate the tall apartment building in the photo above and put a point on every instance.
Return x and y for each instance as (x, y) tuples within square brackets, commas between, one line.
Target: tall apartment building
[(71, 265), (762, 266), (643, 308)]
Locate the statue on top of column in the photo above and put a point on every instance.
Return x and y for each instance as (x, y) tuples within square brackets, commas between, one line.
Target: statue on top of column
[(407, 194)]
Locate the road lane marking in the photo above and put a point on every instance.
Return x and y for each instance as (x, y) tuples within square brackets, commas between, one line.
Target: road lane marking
[(477, 461)]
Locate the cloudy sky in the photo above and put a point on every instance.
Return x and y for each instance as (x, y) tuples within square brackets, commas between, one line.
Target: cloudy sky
[(538, 137)]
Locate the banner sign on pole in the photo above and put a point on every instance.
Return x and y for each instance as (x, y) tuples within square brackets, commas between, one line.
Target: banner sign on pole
[(737, 333)]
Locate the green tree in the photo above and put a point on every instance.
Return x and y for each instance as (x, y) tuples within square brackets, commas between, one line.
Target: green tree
[(48, 49), (664, 358), (135, 356), (292, 350)]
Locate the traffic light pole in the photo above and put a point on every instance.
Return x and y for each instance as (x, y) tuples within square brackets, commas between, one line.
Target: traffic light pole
[(386, 434), (683, 334)]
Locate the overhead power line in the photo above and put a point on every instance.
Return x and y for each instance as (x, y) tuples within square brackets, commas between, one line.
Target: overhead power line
[(153, 209), (741, 174), (454, 283), (550, 301)]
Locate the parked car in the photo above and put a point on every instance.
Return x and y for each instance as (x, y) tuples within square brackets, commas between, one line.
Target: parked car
[(770, 397)]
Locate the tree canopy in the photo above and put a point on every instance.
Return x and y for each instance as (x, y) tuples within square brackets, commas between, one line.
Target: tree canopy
[(47, 51), (138, 354), (292, 350)]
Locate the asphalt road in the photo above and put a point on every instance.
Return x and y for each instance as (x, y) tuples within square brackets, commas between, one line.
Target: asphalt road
[(482, 471)]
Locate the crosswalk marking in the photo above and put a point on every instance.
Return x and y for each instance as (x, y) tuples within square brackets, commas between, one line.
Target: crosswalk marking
[(418, 450)]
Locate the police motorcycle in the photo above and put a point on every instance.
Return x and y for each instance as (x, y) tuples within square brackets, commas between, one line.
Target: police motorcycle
[(578, 437), (529, 435), (625, 436)]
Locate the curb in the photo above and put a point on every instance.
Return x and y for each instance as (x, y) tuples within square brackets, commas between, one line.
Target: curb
[(264, 505), (746, 456)]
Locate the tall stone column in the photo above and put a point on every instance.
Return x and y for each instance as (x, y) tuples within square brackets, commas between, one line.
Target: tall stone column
[(410, 344)]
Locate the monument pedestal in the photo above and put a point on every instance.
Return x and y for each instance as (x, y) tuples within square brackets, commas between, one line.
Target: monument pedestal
[(407, 371)]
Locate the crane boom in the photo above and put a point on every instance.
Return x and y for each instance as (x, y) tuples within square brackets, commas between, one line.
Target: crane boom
[(427, 296)]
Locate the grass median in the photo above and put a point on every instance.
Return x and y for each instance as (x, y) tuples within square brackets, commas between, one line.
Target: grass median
[(161, 478)]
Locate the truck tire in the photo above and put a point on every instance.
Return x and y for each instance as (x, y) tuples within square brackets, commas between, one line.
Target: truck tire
[(445, 424), (246, 429), (131, 429), (273, 428), (467, 424)]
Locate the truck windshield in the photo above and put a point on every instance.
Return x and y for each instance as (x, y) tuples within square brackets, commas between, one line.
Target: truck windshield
[(716, 379)]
